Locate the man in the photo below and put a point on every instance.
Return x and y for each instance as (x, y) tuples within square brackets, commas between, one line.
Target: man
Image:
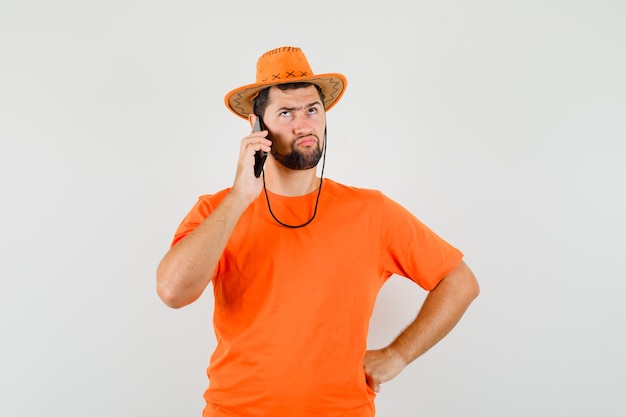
[(296, 262)]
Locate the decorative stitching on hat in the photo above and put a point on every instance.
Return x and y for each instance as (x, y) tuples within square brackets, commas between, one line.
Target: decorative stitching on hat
[(237, 103), (333, 84), (281, 49)]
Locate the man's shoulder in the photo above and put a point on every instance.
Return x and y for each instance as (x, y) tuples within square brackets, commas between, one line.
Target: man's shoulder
[(344, 190), (360, 196), (214, 198)]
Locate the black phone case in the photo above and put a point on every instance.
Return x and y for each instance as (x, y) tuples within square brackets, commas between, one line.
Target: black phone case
[(259, 156)]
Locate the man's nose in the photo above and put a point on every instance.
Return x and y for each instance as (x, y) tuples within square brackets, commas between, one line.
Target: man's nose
[(302, 125)]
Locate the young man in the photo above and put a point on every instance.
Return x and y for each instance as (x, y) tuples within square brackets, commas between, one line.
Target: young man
[(297, 261)]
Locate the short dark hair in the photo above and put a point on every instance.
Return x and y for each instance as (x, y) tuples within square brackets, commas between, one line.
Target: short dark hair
[(260, 101)]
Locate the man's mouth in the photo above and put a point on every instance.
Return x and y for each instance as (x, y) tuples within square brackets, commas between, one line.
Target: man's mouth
[(306, 141)]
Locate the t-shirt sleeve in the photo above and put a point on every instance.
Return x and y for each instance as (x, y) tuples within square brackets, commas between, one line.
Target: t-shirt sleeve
[(200, 211), (413, 250)]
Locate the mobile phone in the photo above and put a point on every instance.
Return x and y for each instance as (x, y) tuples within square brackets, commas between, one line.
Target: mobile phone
[(259, 156)]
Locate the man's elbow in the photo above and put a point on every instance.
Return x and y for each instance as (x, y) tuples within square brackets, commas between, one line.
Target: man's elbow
[(169, 297), (171, 294), (472, 288), (475, 288), (464, 282)]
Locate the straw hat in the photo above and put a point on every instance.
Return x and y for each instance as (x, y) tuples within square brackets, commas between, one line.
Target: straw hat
[(282, 65)]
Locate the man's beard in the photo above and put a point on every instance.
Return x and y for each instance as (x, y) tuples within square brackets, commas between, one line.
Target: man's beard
[(296, 159)]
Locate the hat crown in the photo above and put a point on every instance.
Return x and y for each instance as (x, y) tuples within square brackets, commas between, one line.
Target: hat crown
[(280, 64)]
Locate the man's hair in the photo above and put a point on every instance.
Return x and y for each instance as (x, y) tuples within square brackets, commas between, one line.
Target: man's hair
[(260, 102)]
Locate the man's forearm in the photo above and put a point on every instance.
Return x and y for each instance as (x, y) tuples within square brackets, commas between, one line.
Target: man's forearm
[(441, 311), (187, 268)]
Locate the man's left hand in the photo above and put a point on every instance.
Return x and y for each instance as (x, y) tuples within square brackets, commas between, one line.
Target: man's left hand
[(381, 366)]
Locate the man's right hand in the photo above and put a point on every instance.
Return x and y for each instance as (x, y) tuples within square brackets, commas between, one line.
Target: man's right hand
[(246, 184)]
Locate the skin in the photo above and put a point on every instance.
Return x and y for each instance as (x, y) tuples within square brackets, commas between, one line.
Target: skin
[(296, 119)]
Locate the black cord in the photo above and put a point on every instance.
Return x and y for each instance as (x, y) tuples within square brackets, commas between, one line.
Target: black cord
[(319, 191)]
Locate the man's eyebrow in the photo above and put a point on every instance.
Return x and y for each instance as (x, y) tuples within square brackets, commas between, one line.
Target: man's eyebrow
[(308, 106)]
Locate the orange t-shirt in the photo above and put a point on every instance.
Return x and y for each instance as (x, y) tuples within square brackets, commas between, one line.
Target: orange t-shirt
[(292, 306)]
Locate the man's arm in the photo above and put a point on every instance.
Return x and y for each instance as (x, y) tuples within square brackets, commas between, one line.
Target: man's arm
[(442, 309), (187, 268)]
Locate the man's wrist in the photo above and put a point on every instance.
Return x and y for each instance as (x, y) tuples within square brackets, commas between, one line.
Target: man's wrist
[(398, 354)]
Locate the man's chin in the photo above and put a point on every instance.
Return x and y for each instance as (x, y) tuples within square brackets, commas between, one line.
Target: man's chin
[(299, 166), (298, 160)]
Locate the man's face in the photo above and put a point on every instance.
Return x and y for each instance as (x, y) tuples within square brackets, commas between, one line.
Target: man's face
[(296, 121)]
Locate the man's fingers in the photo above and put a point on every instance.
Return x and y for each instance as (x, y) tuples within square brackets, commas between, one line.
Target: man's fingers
[(373, 385)]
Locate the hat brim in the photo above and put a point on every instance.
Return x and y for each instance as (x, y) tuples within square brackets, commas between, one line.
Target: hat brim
[(239, 100)]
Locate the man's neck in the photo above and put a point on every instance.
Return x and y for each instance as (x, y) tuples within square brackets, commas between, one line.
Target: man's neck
[(288, 182)]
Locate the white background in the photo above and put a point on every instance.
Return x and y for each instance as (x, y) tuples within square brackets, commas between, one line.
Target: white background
[(500, 124)]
